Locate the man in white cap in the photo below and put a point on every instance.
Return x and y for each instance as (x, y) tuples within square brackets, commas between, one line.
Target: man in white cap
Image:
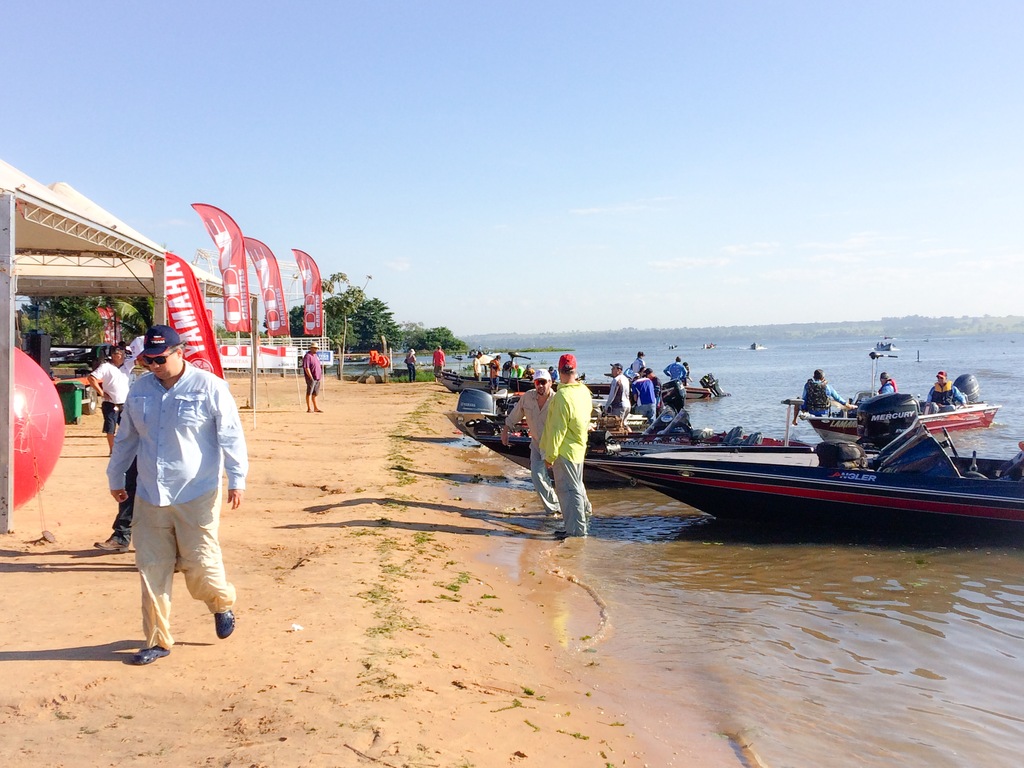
[(533, 406), (182, 423)]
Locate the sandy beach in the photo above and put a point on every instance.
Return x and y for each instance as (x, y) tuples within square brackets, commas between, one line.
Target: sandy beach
[(387, 616)]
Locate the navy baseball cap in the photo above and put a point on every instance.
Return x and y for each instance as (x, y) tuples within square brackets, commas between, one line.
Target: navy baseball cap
[(159, 339)]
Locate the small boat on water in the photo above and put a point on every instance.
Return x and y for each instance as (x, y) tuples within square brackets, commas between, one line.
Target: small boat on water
[(914, 480), (887, 344), (756, 347)]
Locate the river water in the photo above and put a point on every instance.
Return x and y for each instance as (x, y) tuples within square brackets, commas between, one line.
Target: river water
[(838, 648)]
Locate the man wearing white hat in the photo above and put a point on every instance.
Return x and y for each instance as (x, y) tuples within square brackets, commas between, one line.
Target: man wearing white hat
[(533, 406)]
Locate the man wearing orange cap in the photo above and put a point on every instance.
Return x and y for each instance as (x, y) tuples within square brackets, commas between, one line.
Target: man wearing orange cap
[(564, 445)]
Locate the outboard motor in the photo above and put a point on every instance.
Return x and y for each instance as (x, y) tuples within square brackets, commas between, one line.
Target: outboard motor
[(708, 381), (664, 419), (881, 419), (475, 401), (599, 441), (968, 384), (673, 394)]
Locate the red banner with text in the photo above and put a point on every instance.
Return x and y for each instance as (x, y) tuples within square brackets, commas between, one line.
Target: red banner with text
[(275, 315), (186, 313), (227, 236)]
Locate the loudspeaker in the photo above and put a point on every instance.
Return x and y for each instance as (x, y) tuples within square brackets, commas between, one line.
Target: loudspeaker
[(38, 348)]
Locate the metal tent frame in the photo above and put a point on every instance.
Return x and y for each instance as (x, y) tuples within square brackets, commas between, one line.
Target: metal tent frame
[(56, 242)]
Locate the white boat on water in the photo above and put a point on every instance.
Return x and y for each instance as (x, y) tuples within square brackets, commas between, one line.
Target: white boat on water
[(887, 344)]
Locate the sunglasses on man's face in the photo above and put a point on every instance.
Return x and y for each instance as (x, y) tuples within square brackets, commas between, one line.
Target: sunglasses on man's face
[(156, 359), (540, 382)]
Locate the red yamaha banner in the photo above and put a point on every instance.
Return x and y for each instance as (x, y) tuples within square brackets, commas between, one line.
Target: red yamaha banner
[(186, 313), (271, 290), (312, 289), (233, 271)]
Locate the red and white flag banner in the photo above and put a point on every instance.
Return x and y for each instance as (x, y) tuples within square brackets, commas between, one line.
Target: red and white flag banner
[(186, 313), (233, 271), (313, 297), (271, 289), (111, 328)]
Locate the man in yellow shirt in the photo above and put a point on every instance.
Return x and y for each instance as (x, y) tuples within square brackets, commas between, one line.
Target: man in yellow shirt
[(564, 445)]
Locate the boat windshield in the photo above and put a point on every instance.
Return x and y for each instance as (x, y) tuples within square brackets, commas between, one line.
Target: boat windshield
[(916, 451)]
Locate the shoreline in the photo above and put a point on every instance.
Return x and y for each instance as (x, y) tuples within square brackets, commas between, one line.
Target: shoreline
[(388, 614)]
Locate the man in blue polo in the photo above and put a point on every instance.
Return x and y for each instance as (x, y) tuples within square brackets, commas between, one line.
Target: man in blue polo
[(183, 424)]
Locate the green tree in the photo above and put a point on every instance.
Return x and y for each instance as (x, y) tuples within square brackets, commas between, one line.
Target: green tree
[(429, 338), (341, 300), (369, 322)]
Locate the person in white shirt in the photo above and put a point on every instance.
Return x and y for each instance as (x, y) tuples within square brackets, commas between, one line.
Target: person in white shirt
[(637, 366), (617, 402), (183, 425), (111, 381), (533, 406)]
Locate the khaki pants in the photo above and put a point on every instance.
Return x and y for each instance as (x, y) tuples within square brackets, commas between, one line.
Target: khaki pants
[(179, 537)]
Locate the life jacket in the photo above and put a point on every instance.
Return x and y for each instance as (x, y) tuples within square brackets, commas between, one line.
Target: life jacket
[(817, 398), (942, 394), (887, 383)]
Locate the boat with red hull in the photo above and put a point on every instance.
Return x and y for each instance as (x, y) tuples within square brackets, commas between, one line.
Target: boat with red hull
[(971, 416)]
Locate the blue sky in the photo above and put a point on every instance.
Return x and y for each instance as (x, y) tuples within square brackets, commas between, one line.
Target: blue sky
[(536, 166)]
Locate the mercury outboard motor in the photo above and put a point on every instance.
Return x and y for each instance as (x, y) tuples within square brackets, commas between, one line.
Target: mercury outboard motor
[(968, 384), (881, 419)]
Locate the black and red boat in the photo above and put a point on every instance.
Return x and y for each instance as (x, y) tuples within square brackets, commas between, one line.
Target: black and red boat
[(915, 479)]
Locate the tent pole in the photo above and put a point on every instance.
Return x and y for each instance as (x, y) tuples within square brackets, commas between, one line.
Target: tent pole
[(8, 286)]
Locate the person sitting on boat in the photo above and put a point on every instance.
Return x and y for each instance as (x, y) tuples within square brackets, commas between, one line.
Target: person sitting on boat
[(533, 406), (943, 395), (530, 371), (888, 384), (645, 394), (617, 402), (819, 396), (677, 371)]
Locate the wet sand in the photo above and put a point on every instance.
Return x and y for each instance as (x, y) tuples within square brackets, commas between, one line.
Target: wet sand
[(392, 611)]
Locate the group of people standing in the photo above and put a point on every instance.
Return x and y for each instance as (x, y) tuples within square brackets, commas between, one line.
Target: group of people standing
[(637, 389), (559, 423)]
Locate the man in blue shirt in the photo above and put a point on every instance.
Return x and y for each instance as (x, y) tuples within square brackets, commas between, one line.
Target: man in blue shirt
[(182, 424), (646, 395), (819, 396), (676, 371)]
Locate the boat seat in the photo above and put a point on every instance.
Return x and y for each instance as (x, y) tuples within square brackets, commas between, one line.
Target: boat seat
[(754, 438), (734, 436)]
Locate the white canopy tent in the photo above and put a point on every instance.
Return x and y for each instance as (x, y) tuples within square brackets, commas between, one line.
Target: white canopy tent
[(56, 242)]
